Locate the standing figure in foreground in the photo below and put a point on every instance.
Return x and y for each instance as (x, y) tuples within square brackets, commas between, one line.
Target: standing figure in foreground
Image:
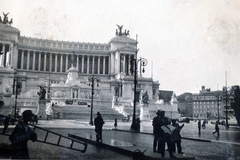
[(98, 122), (20, 136), (156, 132), (177, 136), (165, 137), (199, 127)]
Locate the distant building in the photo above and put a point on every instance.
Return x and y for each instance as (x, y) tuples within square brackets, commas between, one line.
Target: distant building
[(205, 104)]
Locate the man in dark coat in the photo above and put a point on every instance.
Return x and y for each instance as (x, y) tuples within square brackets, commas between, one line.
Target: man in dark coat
[(216, 129), (165, 137), (156, 131), (98, 122), (177, 136), (199, 127), (20, 136)]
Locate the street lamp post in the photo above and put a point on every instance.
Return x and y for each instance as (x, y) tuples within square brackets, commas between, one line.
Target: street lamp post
[(91, 81), (225, 94), (219, 98), (143, 62), (17, 87)]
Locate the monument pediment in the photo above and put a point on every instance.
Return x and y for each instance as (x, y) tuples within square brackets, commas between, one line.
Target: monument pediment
[(124, 39), (126, 48), (5, 28)]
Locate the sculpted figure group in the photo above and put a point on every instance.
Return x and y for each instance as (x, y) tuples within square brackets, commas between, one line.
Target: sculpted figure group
[(5, 19), (121, 33)]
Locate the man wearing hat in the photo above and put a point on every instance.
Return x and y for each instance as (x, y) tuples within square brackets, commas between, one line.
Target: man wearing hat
[(98, 122), (20, 136), (156, 131), (165, 137)]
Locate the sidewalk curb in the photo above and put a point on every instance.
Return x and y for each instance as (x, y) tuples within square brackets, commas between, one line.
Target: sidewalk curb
[(120, 150), (194, 139)]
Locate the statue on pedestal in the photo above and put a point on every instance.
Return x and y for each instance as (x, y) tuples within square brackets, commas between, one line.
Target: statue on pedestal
[(120, 32), (73, 60), (41, 93), (5, 19)]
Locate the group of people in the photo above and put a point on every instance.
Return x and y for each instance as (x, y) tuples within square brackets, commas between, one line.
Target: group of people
[(203, 125), (164, 132)]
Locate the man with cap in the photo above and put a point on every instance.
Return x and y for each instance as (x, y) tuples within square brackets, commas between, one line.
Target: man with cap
[(165, 137), (98, 122), (156, 131), (20, 136)]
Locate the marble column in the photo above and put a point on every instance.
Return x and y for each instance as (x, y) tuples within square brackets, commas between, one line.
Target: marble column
[(83, 64), (39, 61), (61, 63), (118, 60), (3, 56), (77, 62), (109, 65), (99, 64), (9, 56), (129, 64), (28, 61), (93, 60), (87, 64), (124, 64), (104, 63), (112, 63), (22, 59), (66, 62), (50, 64), (33, 68), (45, 62), (56, 62)]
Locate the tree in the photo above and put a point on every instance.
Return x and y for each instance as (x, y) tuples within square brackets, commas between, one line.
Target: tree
[(235, 91), (185, 104)]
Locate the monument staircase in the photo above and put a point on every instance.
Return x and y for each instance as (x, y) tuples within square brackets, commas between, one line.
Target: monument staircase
[(83, 112)]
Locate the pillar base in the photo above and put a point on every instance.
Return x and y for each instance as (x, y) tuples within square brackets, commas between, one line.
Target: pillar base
[(42, 109)]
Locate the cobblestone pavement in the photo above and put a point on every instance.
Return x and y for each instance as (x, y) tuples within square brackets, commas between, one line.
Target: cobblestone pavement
[(44, 151), (227, 146)]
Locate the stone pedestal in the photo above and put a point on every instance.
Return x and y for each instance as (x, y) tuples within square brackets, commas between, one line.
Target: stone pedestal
[(42, 109), (144, 113)]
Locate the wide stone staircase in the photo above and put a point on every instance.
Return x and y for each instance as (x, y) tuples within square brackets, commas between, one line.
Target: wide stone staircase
[(84, 112)]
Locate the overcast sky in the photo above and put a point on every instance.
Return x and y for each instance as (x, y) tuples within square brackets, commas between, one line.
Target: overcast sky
[(190, 43)]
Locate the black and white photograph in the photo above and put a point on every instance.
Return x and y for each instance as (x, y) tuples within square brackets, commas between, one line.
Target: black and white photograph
[(120, 79)]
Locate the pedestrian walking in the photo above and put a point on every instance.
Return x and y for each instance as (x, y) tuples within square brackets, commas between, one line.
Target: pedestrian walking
[(216, 128), (20, 136), (199, 127), (98, 122), (204, 124), (166, 135), (115, 123), (156, 132), (6, 124), (177, 136)]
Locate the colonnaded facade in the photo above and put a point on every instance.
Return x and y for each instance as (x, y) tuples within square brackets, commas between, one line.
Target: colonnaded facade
[(34, 62)]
